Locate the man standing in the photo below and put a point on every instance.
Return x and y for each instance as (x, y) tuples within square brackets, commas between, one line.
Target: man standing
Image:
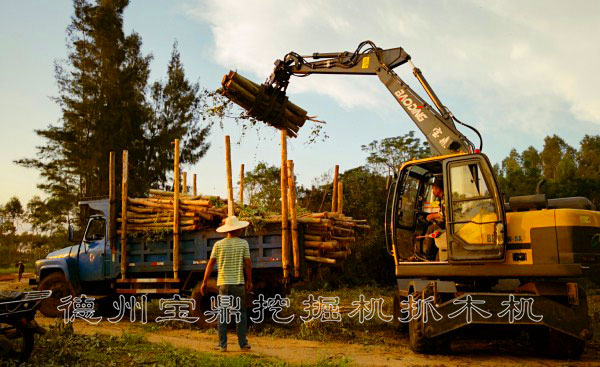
[(21, 268), (437, 219), (232, 255)]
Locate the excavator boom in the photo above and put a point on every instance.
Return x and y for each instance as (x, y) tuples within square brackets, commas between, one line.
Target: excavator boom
[(437, 125)]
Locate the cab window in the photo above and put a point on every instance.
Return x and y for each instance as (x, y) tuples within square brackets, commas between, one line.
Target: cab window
[(474, 213), (96, 230)]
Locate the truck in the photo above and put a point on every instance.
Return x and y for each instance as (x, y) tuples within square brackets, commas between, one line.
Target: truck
[(93, 268), (509, 254)]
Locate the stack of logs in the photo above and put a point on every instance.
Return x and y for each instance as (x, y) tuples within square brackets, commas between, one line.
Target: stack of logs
[(155, 213), (262, 103), (328, 235)]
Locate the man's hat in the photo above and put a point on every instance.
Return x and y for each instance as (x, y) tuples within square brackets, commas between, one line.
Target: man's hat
[(232, 223)]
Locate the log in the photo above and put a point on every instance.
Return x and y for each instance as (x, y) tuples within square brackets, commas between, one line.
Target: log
[(344, 239), (340, 192), (334, 196), (312, 252), (112, 200), (320, 259), (242, 185), (308, 237), (324, 245), (285, 250), (176, 190), (293, 220), (230, 204), (308, 220), (124, 184), (185, 190), (339, 255), (195, 192)]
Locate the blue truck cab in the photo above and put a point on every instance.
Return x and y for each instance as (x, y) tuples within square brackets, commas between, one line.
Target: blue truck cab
[(92, 266)]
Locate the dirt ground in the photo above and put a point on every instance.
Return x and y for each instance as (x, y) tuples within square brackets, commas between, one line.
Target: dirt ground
[(395, 353)]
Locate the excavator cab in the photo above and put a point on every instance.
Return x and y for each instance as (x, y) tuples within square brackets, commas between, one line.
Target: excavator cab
[(472, 227)]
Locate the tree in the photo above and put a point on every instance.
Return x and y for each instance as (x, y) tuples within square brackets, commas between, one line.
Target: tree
[(262, 186), (103, 87), (12, 212), (386, 155), (178, 114)]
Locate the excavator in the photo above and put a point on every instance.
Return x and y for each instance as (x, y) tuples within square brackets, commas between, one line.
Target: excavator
[(498, 263)]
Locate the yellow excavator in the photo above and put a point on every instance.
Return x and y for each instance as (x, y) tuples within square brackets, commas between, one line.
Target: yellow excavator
[(496, 262)]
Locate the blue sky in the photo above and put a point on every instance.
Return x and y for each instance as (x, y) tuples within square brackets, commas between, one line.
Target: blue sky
[(517, 70)]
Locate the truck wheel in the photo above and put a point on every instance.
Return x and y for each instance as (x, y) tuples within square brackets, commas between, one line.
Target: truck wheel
[(202, 304), (419, 343), (60, 287)]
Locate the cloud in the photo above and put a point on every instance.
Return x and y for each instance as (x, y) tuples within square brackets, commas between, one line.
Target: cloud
[(518, 63)]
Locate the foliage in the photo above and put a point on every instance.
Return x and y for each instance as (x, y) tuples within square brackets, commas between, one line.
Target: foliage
[(262, 187), (565, 170), (107, 105), (386, 155)]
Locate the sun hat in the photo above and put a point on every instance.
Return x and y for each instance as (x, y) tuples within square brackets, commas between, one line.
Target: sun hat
[(232, 223)]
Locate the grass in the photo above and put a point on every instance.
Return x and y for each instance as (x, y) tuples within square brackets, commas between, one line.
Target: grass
[(62, 347)]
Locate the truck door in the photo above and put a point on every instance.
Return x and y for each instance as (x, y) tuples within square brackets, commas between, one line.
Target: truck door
[(474, 212), (92, 250)]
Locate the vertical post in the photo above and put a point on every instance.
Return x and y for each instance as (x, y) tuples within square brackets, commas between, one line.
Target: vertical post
[(230, 208), (112, 200), (294, 223), (194, 186), (340, 206), (184, 182), (285, 247), (124, 184), (334, 195), (176, 190), (242, 185)]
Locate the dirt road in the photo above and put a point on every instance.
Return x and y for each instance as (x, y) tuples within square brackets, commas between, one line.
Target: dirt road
[(302, 351)]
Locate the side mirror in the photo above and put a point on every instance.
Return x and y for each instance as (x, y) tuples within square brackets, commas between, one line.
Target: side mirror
[(70, 230)]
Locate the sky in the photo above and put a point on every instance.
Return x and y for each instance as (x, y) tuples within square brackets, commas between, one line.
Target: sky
[(516, 70)]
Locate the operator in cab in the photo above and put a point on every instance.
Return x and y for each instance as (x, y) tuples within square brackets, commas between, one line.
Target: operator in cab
[(437, 220)]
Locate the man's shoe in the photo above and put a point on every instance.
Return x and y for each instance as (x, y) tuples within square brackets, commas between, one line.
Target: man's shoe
[(221, 349), (246, 347)]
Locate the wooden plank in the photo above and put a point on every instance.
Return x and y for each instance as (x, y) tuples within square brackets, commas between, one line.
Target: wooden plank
[(334, 198), (185, 190), (176, 213), (294, 223), (124, 185), (230, 204), (285, 247)]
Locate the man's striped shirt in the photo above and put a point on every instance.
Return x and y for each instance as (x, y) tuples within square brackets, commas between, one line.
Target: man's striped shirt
[(230, 254)]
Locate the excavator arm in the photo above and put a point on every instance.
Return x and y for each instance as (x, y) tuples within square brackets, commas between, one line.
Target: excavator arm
[(437, 125)]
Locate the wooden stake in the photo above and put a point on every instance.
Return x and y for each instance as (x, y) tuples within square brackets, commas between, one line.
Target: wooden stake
[(285, 247), (294, 222), (230, 208), (124, 185), (334, 196), (185, 182), (195, 191), (340, 192), (176, 190), (242, 185), (112, 200)]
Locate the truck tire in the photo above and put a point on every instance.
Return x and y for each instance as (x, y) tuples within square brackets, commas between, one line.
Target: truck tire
[(202, 304), (421, 344), (554, 344), (60, 287), (398, 325)]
